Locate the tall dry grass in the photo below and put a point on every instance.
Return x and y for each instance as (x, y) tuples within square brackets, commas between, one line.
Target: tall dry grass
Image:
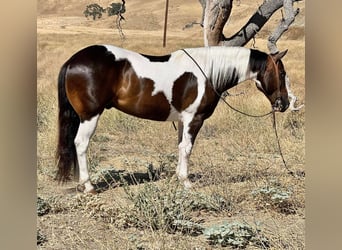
[(235, 157)]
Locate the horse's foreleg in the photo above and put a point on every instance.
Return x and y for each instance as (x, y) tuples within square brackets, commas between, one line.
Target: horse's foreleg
[(184, 153), (186, 139), (84, 133)]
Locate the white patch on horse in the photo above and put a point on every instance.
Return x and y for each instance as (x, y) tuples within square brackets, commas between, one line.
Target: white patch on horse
[(84, 133), (258, 83), (185, 147), (163, 74)]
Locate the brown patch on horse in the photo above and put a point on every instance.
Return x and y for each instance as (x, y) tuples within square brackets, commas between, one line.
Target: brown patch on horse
[(269, 79), (184, 91), (134, 96), (89, 79), (209, 102)]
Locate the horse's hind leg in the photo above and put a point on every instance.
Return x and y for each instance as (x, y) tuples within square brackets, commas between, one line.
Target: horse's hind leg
[(84, 133)]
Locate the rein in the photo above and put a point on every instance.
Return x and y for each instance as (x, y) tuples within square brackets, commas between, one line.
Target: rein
[(244, 113)]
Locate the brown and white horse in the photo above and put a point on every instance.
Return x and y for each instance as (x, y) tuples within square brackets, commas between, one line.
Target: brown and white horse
[(184, 86)]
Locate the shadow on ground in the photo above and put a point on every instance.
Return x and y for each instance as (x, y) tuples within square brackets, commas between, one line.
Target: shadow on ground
[(113, 178)]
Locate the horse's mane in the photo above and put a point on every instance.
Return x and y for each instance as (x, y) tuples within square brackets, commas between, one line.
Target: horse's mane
[(257, 61), (224, 66)]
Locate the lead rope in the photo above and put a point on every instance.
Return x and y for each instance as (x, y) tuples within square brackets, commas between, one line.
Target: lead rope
[(290, 172), (243, 113)]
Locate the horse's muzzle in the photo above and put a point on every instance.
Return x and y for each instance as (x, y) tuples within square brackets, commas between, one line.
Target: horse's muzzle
[(280, 105)]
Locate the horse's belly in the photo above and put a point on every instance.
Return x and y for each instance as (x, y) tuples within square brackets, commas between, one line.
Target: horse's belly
[(152, 109)]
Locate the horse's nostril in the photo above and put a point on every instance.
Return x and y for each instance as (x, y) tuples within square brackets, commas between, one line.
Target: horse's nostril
[(278, 105)]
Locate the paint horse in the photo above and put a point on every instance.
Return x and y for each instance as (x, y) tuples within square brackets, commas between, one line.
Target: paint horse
[(184, 86)]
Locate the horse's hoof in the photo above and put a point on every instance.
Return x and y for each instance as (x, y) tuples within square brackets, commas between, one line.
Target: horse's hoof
[(92, 191), (82, 189), (187, 184)]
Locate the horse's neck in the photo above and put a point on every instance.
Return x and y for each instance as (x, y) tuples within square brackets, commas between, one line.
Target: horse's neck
[(227, 66)]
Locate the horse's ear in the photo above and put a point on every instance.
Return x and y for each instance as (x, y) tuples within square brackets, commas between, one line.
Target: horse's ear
[(279, 55)]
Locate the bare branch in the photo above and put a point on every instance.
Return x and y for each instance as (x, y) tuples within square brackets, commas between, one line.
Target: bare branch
[(254, 24), (283, 26), (203, 3)]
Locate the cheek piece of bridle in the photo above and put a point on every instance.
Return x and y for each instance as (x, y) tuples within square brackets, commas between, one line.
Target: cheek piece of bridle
[(277, 105)]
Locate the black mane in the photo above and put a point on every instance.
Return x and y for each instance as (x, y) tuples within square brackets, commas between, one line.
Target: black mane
[(257, 60)]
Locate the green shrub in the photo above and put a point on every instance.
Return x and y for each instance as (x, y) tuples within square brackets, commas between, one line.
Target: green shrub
[(275, 197), (235, 234)]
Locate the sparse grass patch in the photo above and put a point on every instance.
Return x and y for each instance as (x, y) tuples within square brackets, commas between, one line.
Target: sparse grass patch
[(43, 112), (295, 123)]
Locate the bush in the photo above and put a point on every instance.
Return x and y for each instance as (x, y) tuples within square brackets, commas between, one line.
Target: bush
[(159, 208), (275, 197), (169, 208), (235, 234)]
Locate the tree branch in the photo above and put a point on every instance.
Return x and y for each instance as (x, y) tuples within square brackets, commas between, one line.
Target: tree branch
[(283, 26), (254, 24)]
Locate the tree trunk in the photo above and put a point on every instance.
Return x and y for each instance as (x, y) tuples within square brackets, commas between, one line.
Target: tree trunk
[(216, 15)]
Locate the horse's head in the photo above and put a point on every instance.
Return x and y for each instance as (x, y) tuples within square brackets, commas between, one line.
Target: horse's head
[(272, 82)]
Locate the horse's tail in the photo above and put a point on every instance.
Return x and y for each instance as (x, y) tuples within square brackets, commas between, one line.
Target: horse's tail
[(68, 123)]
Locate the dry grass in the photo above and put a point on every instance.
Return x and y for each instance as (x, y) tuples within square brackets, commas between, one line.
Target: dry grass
[(235, 157)]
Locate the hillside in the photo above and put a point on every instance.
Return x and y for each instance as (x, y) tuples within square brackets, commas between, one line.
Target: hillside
[(149, 16)]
